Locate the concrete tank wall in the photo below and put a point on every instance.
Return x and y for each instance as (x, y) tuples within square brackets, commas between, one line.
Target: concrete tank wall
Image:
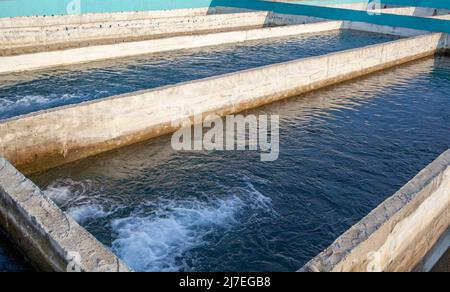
[(34, 61), (23, 35), (33, 34), (50, 239), (401, 232), (46, 139), (150, 25)]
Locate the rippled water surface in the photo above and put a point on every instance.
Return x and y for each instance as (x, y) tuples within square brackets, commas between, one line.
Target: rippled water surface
[(343, 151), (28, 92)]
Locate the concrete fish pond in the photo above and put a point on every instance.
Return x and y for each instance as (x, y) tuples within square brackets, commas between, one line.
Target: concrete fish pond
[(356, 112)]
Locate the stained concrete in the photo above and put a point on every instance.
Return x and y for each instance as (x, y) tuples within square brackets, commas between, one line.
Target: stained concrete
[(50, 239), (50, 138), (397, 235)]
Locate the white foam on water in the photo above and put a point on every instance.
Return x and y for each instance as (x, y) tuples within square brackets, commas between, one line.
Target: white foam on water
[(156, 235), (32, 100), (59, 195), (82, 214), (158, 241), (80, 200), (24, 101)]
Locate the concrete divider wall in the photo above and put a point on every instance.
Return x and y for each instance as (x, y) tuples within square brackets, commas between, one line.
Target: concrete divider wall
[(149, 27), (46, 139), (20, 35), (50, 239), (401, 233), (33, 34), (9, 64)]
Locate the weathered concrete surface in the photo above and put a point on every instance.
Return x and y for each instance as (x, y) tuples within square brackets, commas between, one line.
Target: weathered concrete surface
[(17, 38), (398, 234), (46, 139), (42, 60), (35, 34), (50, 239)]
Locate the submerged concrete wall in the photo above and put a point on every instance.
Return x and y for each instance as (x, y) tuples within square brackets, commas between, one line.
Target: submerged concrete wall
[(401, 232), (46, 139), (50, 239), (42, 60)]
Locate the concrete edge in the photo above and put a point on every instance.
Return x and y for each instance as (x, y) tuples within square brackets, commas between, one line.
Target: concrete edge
[(49, 238), (412, 195), (43, 60)]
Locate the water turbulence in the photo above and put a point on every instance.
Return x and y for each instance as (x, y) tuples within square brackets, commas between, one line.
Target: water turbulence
[(156, 234), (343, 151)]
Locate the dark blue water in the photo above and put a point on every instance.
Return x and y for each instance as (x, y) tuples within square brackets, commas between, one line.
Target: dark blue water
[(10, 258), (343, 151), (23, 93)]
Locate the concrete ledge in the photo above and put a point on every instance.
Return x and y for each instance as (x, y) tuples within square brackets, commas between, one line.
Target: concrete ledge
[(398, 235), (50, 138), (43, 60), (50, 239)]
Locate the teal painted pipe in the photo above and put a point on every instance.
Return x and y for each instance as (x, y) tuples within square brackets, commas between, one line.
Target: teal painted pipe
[(328, 2), (413, 22), (440, 4)]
